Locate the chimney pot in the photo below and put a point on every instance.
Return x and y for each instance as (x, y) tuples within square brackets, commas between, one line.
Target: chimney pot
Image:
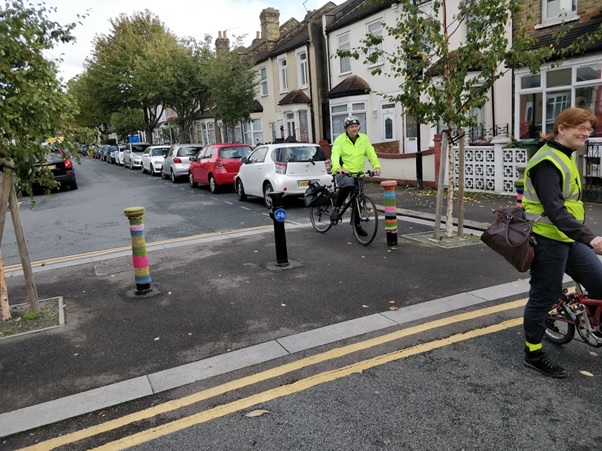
[(219, 34)]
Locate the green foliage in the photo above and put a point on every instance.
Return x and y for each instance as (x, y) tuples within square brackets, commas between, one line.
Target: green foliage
[(173, 71), (232, 83), (34, 106), (111, 73), (126, 122)]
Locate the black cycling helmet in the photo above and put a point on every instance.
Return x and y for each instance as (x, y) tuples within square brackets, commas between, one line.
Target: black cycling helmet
[(351, 120)]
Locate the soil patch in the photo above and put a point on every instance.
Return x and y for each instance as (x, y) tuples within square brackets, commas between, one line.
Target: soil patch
[(24, 320)]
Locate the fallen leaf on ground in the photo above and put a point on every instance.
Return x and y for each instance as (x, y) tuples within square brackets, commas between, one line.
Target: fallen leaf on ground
[(257, 413), (157, 338), (593, 353), (393, 308), (365, 306), (586, 373)]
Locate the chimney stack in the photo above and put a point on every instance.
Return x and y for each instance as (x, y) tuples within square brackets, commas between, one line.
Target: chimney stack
[(270, 24), (222, 43)]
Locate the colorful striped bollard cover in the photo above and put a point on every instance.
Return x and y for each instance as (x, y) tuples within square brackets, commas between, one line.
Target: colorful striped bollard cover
[(139, 257), (390, 211)]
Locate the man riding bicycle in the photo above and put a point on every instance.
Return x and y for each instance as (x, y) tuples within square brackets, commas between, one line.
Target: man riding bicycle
[(348, 156)]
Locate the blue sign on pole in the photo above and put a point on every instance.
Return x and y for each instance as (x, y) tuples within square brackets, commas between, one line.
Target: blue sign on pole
[(280, 215)]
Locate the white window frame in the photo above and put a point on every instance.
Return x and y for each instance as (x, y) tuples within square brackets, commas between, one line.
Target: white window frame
[(375, 28), (348, 106), (344, 43), (282, 74), (263, 81), (564, 16), (302, 66), (548, 93)]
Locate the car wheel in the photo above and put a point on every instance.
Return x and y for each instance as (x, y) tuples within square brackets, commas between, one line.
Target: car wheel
[(173, 177), (163, 176), (191, 181), (240, 190), (267, 189), (213, 186), (152, 170)]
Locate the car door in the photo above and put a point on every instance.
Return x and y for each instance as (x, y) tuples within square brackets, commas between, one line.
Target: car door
[(253, 172), (204, 164), (146, 159)]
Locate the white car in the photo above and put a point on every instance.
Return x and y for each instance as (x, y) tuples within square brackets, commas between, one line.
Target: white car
[(132, 157), (152, 159), (285, 167), (177, 161), (119, 156)]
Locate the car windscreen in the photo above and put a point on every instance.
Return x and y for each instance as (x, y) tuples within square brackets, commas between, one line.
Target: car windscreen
[(234, 152), (188, 151), (139, 148), (161, 152), (300, 154)]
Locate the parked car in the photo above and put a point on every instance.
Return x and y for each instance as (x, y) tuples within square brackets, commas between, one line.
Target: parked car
[(104, 152), (286, 167), (112, 154), (119, 155), (152, 159), (132, 156), (61, 167), (217, 165), (98, 151), (177, 161)]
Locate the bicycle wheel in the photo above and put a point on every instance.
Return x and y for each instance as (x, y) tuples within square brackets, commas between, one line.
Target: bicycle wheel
[(558, 328), (366, 226), (320, 217)]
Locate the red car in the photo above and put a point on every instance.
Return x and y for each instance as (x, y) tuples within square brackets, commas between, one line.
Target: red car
[(216, 165)]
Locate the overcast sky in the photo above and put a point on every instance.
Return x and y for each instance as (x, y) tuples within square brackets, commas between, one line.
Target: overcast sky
[(183, 17)]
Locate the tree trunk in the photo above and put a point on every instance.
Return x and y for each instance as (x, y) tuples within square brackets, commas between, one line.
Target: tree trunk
[(440, 185), (449, 217), (461, 183), (30, 286), (4, 306)]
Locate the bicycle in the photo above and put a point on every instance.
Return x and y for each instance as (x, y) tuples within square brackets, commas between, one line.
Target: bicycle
[(324, 203), (575, 312)]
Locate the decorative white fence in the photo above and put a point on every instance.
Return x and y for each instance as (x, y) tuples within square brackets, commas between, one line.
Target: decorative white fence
[(491, 169)]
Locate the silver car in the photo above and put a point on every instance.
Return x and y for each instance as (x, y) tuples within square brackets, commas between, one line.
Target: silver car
[(177, 161), (152, 159), (132, 157)]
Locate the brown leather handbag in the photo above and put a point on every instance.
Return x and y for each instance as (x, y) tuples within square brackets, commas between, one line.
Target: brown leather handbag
[(510, 236)]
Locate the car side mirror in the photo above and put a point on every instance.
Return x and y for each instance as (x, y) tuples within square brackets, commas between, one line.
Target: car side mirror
[(193, 158), (244, 160)]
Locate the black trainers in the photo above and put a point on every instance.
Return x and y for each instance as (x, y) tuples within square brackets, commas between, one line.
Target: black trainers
[(539, 361)]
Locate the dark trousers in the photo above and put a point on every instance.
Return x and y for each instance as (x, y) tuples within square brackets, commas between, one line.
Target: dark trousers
[(553, 259)]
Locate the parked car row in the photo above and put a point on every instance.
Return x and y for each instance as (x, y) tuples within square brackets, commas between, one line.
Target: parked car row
[(285, 167)]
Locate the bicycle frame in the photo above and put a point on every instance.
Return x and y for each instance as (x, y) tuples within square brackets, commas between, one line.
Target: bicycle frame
[(356, 194), (582, 314)]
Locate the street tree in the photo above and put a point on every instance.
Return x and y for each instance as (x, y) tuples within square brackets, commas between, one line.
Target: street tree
[(127, 122), (232, 84), (112, 67), (443, 75), (34, 108), (172, 69)]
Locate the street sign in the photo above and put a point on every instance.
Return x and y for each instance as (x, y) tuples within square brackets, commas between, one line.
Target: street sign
[(280, 215)]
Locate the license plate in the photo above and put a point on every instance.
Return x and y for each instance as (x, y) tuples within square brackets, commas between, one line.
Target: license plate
[(304, 183), (51, 167)]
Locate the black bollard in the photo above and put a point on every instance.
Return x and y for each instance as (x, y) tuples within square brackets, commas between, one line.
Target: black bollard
[(278, 215)]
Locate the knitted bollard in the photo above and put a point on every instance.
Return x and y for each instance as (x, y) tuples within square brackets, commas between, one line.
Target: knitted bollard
[(519, 187), (390, 211), (141, 269)]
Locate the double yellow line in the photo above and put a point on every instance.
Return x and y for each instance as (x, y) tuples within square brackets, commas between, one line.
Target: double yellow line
[(100, 253), (304, 384)]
